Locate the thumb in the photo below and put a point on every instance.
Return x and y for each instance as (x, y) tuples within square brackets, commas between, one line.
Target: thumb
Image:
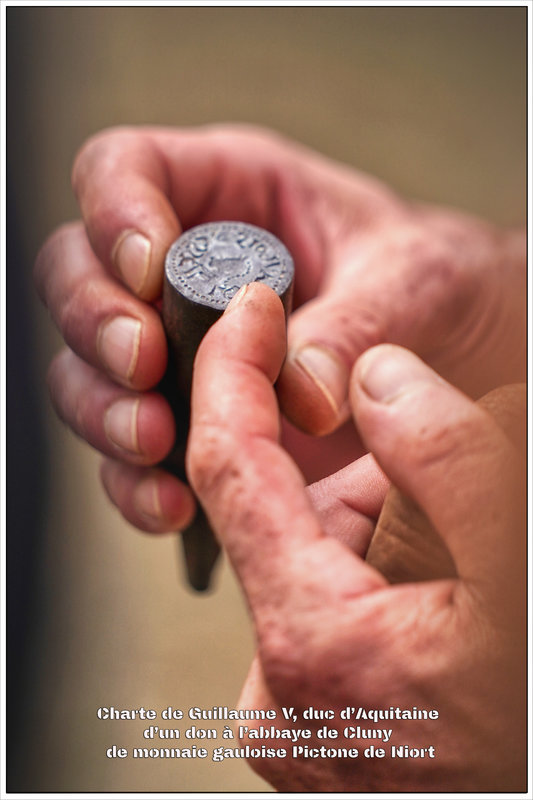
[(405, 546), (452, 458)]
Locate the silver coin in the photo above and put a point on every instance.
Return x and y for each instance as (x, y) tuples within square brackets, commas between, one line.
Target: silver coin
[(209, 263)]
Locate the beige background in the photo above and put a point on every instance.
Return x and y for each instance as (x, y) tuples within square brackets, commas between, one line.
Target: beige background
[(431, 100)]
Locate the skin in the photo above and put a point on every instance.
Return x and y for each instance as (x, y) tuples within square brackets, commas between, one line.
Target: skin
[(361, 594), (370, 267), (332, 630)]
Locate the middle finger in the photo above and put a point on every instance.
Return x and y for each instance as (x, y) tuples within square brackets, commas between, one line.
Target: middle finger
[(99, 319)]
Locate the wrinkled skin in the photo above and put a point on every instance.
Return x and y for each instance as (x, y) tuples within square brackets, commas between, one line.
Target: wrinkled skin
[(370, 267), (442, 630), (361, 594)]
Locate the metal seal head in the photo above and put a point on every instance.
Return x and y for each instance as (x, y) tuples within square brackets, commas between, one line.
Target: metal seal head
[(209, 263)]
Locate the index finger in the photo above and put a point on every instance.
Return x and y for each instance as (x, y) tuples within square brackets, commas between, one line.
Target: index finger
[(137, 188), (120, 180), (252, 491)]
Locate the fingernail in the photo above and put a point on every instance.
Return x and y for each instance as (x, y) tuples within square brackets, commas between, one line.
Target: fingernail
[(237, 298), (118, 346), (120, 424), (326, 371), (131, 256), (387, 371), (146, 500)]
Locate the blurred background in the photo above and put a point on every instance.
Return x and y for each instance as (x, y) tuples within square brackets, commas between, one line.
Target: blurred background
[(432, 100)]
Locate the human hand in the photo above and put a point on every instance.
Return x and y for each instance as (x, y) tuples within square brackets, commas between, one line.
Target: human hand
[(331, 630), (369, 268)]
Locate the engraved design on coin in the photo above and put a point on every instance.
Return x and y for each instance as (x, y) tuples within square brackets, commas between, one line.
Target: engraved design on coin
[(209, 263)]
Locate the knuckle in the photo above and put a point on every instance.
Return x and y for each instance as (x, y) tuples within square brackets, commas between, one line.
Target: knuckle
[(247, 134), (73, 392), (49, 256), (85, 157), (55, 380), (284, 666), (430, 256), (97, 149), (73, 311), (211, 459), (434, 445), (296, 662), (470, 437), (349, 338), (441, 264), (267, 149)]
